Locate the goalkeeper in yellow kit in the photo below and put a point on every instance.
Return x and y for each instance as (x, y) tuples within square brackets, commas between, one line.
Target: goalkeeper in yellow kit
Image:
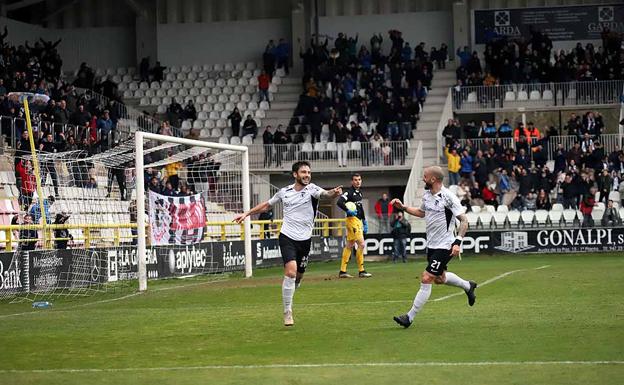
[(351, 202)]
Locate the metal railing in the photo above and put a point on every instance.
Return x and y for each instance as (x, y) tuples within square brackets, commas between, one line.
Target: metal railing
[(536, 95), (410, 197), (447, 113), (137, 120), (113, 234), (329, 155), (12, 128), (609, 143)]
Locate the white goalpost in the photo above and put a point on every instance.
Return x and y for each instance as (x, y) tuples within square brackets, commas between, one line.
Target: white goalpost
[(238, 173)]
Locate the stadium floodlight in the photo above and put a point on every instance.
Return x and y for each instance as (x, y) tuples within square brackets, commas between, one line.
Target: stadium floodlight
[(220, 195)]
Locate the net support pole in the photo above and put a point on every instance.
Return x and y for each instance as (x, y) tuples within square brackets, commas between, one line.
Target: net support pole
[(247, 207), (140, 205)]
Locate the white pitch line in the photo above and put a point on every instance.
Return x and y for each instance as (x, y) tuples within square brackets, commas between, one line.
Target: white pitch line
[(321, 365)]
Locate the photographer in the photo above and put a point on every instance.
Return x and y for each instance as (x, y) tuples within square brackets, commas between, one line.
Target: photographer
[(400, 231)]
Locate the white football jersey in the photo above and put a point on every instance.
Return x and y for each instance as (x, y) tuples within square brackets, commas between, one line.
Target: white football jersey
[(440, 212), (299, 210)]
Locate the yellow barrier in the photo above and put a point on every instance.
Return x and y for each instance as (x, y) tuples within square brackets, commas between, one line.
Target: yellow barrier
[(224, 231)]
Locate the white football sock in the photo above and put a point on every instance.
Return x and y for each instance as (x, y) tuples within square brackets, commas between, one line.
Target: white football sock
[(421, 298), (288, 291), (453, 280)]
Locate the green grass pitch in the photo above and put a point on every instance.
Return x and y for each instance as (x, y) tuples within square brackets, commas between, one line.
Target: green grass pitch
[(560, 324)]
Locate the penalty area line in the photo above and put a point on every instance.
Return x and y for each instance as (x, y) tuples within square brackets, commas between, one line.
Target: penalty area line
[(320, 365)]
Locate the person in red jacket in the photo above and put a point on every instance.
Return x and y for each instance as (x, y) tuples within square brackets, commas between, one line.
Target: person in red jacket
[(489, 196), (383, 209), (587, 206), (264, 81), (24, 169)]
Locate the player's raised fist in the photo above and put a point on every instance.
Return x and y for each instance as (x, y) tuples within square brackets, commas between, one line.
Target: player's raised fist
[(239, 218), (396, 203)]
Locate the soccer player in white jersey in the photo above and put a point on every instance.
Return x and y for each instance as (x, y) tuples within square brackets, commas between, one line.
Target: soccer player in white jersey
[(439, 207), (300, 201)]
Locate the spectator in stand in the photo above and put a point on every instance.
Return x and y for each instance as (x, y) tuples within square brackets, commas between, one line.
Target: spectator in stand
[(401, 230), (268, 140), (530, 201), (505, 130), (158, 72), (466, 166), (543, 201), (341, 135), (91, 183), (144, 69), (489, 195), (451, 132), (175, 113), (464, 57), (269, 59), (586, 207), (454, 166), (62, 235), (27, 181), (171, 171), (235, 121), (315, 121), (569, 193), (35, 210), (28, 236), (383, 209), (189, 112), (282, 55), (611, 217), (281, 140), (169, 190), (264, 81), (80, 117), (250, 127), (105, 127)]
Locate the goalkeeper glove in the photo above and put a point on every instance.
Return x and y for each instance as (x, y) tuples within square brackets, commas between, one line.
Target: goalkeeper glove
[(365, 226), (352, 213)]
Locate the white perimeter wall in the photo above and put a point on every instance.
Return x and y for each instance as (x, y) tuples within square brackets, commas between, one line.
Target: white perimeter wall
[(434, 28), (99, 47), (218, 42)]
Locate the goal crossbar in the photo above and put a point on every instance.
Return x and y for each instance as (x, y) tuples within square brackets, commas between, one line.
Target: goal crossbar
[(140, 137)]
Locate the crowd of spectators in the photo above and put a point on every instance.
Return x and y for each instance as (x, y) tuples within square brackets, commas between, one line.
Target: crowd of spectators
[(508, 166), (532, 59), (381, 92)]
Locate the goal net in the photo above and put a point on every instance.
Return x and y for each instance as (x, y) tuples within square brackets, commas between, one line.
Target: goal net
[(86, 239)]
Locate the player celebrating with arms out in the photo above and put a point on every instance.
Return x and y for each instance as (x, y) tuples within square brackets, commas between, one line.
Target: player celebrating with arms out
[(439, 207), (300, 201), (351, 202)]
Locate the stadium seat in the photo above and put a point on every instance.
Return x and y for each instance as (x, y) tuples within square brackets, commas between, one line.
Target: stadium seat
[(228, 132), (547, 95), (473, 219), (513, 216), (247, 140), (490, 209), (555, 217), (502, 209), (510, 96), (235, 140), (221, 123), (569, 216), (162, 109), (527, 218), (472, 97), (541, 217), (260, 114), (522, 96), (557, 207), (224, 140), (615, 196), (600, 206), (216, 133), (500, 219), (485, 218), (534, 95), (475, 209), (597, 215)]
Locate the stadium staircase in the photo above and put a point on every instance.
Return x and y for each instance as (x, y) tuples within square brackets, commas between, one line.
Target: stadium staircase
[(285, 102)]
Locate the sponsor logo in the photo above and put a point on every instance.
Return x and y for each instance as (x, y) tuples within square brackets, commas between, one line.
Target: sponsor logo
[(605, 14), (188, 259), (415, 245), (514, 242), (112, 266), (502, 18), (232, 259), (266, 252), (11, 277), (95, 267), (39, 262), (583, 238)]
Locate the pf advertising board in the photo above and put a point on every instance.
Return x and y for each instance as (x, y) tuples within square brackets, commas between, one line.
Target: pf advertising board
[(583, 22)]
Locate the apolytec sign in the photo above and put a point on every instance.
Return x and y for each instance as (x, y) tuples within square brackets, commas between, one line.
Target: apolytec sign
[(559, 23)]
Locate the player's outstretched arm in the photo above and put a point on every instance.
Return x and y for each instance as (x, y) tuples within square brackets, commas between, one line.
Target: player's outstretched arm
[(336, 191), (260, 208), (415, 211)]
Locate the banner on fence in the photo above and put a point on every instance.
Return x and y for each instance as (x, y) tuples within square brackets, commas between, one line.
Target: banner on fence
[(176, 220), (584, 22)]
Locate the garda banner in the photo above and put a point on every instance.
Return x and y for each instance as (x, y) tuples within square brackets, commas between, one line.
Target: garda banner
[(514, 241), (583, 22)]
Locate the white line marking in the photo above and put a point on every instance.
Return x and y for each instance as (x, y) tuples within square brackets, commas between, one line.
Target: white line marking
[(321, 365)]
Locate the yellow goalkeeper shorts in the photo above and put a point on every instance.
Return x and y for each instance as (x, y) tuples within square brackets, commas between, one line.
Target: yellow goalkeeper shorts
[(354, 229)]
